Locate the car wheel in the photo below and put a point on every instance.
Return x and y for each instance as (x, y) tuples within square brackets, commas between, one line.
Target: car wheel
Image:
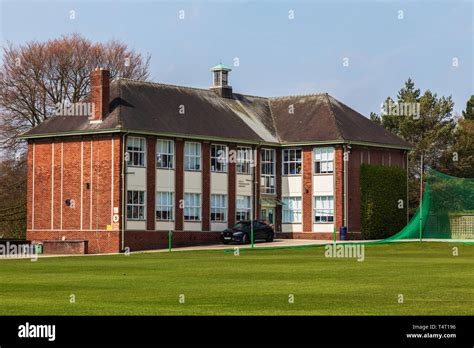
[(269, 237), (245, 239)]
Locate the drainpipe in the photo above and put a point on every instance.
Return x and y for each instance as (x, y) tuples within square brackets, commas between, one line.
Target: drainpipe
[(123, 190), (345, 156)]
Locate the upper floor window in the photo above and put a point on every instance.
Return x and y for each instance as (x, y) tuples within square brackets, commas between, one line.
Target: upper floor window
[(136, 151), (267, 174), (218, 158), (291, 209), (136, 205), (244, 159), (323, 160), (192, 207), (291, 161), (218, 208), (192, 156), (164, 153)]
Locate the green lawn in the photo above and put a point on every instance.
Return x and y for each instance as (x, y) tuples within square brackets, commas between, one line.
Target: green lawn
[(431, 280)]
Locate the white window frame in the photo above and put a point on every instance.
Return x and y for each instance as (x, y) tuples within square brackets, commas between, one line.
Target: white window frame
[(325, 210), (192, 207), (292, 210), (134, 153), (219, 158), (218, 206), (287, 164), (138, 204), (243, 207), (192, 158), (267, 179), (325, 157), (166, 205), (244, 159), (164, 147)]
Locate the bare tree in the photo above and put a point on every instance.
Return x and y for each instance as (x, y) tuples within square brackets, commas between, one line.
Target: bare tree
[(36, 76)]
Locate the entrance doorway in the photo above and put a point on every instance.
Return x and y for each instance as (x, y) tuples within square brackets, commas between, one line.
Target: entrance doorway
[(268, 215)]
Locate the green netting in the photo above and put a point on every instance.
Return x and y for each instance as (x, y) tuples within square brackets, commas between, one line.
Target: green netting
[(447, 211)]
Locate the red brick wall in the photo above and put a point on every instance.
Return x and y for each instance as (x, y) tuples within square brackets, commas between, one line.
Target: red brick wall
[(147, 240), (307, 189), (57, 178), (232, 189), (339, 181), (206, 186), (179, 184), (150, 183), (59, 247)]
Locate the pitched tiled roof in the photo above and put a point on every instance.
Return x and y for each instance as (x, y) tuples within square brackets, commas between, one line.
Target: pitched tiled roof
[(184, 111)]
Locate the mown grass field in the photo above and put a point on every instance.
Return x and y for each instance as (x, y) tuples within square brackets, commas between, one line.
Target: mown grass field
[(431, 280)]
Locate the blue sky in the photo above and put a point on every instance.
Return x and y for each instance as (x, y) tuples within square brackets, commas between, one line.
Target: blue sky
[(277, 55)]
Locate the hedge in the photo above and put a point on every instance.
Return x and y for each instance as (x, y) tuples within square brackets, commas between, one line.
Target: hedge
[(381, 189)]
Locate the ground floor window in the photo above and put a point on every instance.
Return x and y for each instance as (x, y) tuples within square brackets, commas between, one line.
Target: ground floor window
[(323, 209), (291, 209), (164, 206), (218, 208), (192, 206), (243, 208), (136, 205)]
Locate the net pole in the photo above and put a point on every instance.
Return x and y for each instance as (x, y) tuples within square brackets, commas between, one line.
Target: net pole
[(421, 198)]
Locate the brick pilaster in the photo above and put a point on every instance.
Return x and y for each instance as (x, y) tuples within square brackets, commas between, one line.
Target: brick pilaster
[(232, 182), (256, 187), (307, 180), (179, 184), (278, 212), (150, 183), (206, 186), (339, 183)]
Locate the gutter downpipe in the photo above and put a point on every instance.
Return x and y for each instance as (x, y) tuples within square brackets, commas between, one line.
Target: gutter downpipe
[(123, 191), (345, 159)]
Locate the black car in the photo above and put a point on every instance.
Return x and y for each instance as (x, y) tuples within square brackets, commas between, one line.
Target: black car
[(241, 232)]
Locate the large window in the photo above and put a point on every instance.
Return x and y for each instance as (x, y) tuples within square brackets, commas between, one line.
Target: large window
[(268, 170), (192, 206), (218, 208), (244, 159), (192, 156), (323, 160), (243, 208), (291, 209), (218, 158), (164, 206), (136, 205), (164, 153), (136, 151), (291, 161), (323, 209)]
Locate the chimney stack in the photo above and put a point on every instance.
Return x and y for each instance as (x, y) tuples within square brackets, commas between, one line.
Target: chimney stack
[(100, 94)]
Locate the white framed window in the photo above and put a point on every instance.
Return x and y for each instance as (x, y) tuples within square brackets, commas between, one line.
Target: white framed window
[(244, 159), (164, 206), (218, 158), (291, 209), (323, 209), (291, 161), (136, 205), (323, 160), (192, 156), (136, 151), (267, 170), (218, 208), (164, 154), (242, 212), (192, 207)]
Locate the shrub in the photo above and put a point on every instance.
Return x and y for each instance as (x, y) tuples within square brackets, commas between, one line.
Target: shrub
[(383, 190)]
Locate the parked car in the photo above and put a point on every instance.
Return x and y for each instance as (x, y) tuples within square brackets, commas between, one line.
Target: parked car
[(241, 231)]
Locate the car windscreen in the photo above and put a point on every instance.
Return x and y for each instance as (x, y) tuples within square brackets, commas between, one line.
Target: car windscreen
[(241, 225)]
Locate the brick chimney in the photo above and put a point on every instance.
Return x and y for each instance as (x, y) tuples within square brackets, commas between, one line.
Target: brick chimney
[(100, 94)]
